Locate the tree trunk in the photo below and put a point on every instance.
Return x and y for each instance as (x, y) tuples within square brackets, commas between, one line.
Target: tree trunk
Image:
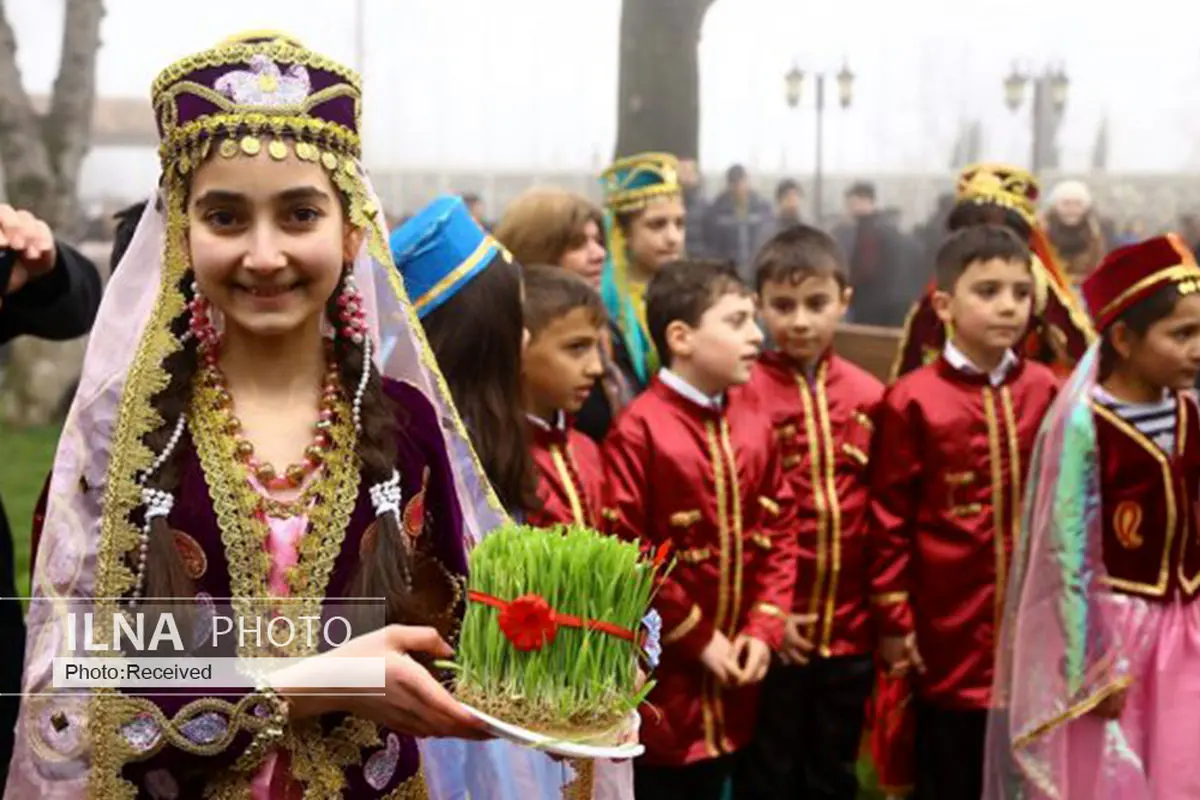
[(42, 157), (659, 83)]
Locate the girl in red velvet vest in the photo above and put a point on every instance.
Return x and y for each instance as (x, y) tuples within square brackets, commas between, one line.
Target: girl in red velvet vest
[(1098, 676)]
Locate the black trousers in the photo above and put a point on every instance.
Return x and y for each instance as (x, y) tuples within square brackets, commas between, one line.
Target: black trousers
[(809, 729), (704, 780), (950, 744)]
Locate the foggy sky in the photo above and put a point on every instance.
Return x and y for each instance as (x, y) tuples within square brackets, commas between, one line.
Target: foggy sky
[(513, 84)]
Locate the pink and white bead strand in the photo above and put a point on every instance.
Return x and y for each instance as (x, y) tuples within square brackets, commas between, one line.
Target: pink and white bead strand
[(353, 319), (202, 328)]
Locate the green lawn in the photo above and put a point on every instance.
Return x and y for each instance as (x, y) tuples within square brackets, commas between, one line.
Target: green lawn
[(25, 458)]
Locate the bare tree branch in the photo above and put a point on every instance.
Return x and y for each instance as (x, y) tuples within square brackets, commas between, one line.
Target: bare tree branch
[(28, 175), (68, 125)]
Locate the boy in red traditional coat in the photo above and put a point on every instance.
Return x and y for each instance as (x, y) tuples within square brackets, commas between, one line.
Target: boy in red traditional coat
[(820, 408), (952, 444), (691, 464), (1059, 331), (560, 366)]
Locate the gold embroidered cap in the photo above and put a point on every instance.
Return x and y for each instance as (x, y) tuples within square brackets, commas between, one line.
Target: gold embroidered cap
[(1002, 185), (629, 182), (254, 85), (1132, 273)]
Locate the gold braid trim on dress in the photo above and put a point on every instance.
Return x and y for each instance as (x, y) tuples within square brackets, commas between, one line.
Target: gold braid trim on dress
[(412, 789), (243, 532), (136, 417)]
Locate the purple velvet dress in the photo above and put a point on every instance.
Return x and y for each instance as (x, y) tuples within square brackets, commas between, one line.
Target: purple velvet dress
[(387, 769)]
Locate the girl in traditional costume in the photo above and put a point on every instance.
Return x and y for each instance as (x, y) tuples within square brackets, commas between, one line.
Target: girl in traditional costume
[(1097, 677), (645, 222), (466, 290), (256, 321)]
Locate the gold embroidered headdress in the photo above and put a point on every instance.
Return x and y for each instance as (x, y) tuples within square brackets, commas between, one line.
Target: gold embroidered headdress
[(1001, 185), (257, 91), (629, 184), (252, 93)]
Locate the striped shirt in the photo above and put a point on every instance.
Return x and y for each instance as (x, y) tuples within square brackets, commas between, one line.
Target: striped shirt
[(1155, 421)]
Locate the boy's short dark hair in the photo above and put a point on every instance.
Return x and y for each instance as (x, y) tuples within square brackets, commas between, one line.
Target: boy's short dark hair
[(964, 247), (784, 186), (553, 292), (798, 252), (861, 189), (682, 291)]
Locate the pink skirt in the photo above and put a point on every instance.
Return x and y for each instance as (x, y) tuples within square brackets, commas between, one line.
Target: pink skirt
[(1150, 752)]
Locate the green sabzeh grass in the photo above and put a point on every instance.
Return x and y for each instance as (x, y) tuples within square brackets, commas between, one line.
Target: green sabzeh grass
[(582, 685)]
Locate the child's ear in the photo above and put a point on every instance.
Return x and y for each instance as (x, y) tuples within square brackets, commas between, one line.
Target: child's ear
[(679, 340), (940, 300), (352, 239), (847, 296), (1122, 338)]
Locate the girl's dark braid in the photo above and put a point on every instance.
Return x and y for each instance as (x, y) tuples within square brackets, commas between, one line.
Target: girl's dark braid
[(409, 580), (165, 574)]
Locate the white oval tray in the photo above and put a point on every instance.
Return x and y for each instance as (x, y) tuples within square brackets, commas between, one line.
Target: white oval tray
[(560, 747)]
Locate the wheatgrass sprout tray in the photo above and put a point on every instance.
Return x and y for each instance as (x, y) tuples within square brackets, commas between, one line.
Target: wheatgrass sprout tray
[(556, 621)]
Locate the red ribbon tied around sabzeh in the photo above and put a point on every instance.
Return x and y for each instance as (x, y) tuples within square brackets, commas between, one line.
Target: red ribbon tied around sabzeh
[(530, 623)]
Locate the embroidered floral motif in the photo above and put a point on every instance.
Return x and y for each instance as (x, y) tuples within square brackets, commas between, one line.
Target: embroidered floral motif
[(161, 785), (195, 562), (264, 85), (381, 766), (206, 728), (414, 512), (142, 733)]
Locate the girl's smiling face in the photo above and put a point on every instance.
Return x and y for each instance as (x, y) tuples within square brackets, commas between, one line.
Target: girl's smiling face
[(268, 240)]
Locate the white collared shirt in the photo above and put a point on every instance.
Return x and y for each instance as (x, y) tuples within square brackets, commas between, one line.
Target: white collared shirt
[(959, 361), (560, 422), (689, 392)]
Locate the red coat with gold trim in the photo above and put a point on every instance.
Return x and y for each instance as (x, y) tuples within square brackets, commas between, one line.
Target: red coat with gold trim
[(948, 468), (709, 483), (570, 477), (1148, 503), (824, 429)]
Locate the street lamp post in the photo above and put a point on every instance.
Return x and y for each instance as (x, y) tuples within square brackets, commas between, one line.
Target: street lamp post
[(1049, 102), (793, 82)]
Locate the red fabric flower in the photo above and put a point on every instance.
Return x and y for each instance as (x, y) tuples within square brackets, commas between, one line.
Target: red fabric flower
[(528, 622)]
